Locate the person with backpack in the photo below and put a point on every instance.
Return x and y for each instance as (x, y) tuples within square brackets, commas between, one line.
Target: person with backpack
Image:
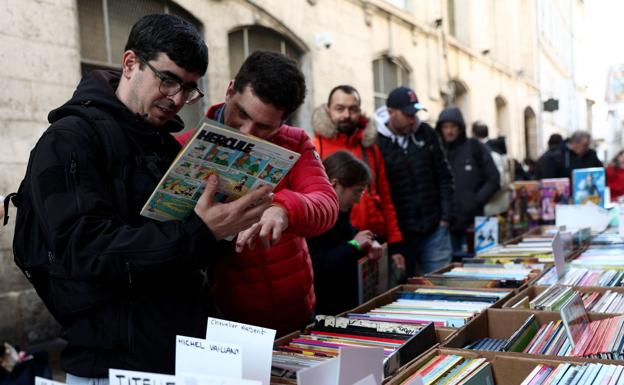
[(335, 253), (121, 285), (474, 172), (420, 180)]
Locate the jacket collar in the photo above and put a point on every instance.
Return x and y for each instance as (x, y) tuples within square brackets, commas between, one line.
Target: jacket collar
[(323, 127)]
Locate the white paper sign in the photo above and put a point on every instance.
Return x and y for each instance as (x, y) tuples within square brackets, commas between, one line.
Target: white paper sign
[(357, 363), (325, 373), (129, 377), (194, 355), (45, 381), (368, 380), (559, 254), (256, 342), (580, 216), (198, 379)]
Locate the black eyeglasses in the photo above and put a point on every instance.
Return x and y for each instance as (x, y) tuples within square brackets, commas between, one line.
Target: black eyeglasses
[(170, 86)]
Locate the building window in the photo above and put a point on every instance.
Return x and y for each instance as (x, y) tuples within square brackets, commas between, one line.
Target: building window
[(104, 29), (450, 11), (388, 74), (399, 3), (244, 41)]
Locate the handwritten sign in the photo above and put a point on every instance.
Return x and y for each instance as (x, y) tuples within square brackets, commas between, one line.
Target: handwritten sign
[(129, 377), (256, 342), (198, 379), (580, 216), (357, 363), (194, 355), (45, 381), (325, 373)]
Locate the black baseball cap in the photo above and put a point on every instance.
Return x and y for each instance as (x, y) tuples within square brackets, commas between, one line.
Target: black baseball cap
[(404, 99)]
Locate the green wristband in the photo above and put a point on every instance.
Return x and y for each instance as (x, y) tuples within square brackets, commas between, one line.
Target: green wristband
[(355, 244)]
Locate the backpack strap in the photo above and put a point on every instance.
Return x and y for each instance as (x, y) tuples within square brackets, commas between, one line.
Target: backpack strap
[(115, 144), (12, 196)]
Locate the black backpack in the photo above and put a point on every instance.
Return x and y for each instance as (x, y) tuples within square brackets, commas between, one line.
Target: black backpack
[(64, 296)]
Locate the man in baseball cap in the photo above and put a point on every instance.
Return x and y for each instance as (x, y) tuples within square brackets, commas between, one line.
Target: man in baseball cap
[(404, 99), (420, 181)]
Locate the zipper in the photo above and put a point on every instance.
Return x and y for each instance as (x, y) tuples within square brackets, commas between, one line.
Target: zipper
[(130, 309), (73, 175)]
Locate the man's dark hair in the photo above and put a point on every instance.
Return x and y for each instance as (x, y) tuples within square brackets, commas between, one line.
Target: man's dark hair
[(274, 78), (347, 169), (579, 135), (170, 34), (554, 140), (480, 129), (347, 89)]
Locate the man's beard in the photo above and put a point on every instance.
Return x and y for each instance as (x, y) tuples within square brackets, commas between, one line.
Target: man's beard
[(347, 127)]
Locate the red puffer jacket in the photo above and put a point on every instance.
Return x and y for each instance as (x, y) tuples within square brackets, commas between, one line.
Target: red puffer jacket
[(274, 287), (375, 210)]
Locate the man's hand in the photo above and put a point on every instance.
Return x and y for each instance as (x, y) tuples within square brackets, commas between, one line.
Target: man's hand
[(225, 219), (364, 238), (375, 251), (399, 261), (444, 223), (273, 222)]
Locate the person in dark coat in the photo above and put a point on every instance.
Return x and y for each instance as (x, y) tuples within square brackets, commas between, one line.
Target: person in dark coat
[(474, 172), (420, 180), (572, 154), (335, 254)]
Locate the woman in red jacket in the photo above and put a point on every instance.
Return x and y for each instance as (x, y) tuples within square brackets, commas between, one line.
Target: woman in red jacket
[(615, 176), (268, 280)]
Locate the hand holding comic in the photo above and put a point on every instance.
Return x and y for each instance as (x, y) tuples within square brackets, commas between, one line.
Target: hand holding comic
[(226, 219), (375, 251), (364, 238), (268, 230)]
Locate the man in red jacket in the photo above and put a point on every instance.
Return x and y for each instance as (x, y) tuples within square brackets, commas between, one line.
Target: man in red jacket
[(340, 125), (268, 280)]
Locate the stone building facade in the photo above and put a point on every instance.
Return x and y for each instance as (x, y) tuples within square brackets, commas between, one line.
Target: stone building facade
[(478, 54)]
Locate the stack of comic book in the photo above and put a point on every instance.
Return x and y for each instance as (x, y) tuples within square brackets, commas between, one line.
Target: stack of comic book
[(442, 306), (578, 374), (453, 369)]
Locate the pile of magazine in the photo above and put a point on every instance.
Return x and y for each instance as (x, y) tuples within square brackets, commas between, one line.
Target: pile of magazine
[(584, 277), (554, 297), (442, 306), (401, 343), (569, 373), (444, 368)]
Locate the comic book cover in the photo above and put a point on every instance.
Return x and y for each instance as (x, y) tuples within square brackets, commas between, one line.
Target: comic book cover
[(242, 162), (486, 233), (525, 206), (554, 191), (588, 185)]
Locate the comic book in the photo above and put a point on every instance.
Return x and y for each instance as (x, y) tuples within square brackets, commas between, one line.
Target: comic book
[(242, 162), (554, 191), (588, 185)]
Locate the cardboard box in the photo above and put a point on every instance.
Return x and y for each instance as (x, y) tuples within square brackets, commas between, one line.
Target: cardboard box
[(437, 278), (507, 370), (388, 297), (502, 323), (533, 291), (410, 350)]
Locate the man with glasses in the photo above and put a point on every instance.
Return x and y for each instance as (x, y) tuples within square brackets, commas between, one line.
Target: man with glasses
[(129, 284), (267, 280), (420, 181)]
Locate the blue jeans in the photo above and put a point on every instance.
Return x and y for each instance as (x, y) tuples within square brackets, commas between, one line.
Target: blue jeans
[(75, 380), (425, 253)]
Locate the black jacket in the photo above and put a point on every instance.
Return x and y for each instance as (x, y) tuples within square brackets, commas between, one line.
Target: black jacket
[(420, 179), (558, 162), (335, 268), (474, 172), (150, 269)]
